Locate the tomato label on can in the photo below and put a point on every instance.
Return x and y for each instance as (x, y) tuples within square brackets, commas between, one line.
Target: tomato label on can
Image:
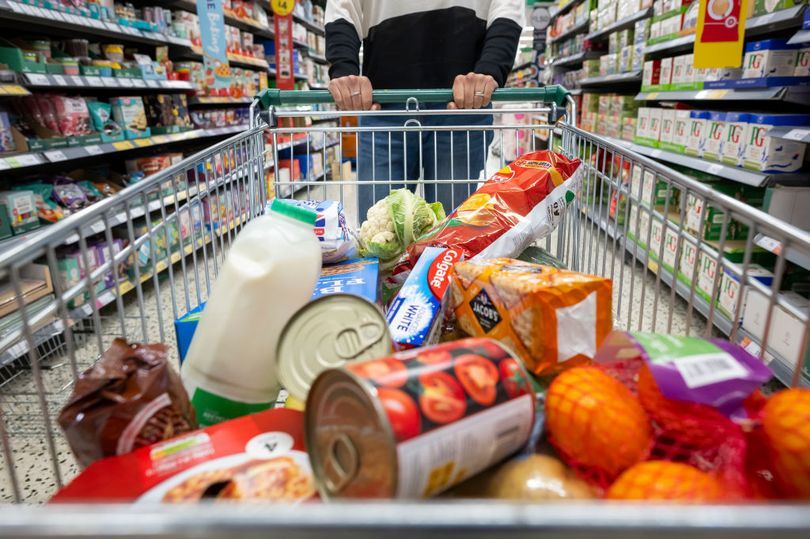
[(454, 409)]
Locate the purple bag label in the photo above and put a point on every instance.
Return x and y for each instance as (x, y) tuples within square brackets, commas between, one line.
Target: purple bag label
[(712, 372)]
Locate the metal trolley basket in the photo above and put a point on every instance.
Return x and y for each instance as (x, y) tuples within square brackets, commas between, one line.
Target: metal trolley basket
[(151, 253)]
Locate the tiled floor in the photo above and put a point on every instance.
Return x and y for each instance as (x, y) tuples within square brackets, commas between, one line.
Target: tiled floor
[(636, 305)]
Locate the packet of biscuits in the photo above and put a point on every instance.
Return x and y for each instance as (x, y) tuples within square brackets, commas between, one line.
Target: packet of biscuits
[(553, 318), (131, 397)]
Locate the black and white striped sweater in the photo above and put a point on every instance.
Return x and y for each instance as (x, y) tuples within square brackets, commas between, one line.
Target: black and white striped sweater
[(422, 43)]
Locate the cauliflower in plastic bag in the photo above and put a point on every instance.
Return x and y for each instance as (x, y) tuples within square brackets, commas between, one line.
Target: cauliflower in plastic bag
[(395, 222)]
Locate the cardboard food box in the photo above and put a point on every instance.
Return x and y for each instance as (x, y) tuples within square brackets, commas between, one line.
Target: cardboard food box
[(35, 282), (259, 457), (21, 210)]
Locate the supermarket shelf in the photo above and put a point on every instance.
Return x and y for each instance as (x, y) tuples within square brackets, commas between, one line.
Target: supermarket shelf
[(300, 76), (318, 86), (317, 57), (737, 174), (39, 80), (575, 59), (13, 90), (798, 134), (802, 36), (12, 350), (799, 95), (231, 19), (780, 366), (621, 78), (50, 20), (300, 45), (577, 29), (755, 26), (627, 22), (31, 160), (215, 100), (566, 8), (774, 246), (311, 26), (196, 53)]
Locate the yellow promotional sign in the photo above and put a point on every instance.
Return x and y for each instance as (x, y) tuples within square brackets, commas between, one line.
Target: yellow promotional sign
[(282, 7), (720, 33)]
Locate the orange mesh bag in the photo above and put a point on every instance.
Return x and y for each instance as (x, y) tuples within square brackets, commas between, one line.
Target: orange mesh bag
[(663, 480), (596, 424), (552, 318), (786, 435), (693, 391)]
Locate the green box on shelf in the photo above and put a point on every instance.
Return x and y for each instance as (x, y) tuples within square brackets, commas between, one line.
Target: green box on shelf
[(37, 144), (95, 71), (763, 7), (13, 58), (5, 223), (134, 135), (112, 138), (84, 140), (127, 73), (54, 69)]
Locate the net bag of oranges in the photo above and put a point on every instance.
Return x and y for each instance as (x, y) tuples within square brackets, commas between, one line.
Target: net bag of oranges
[(659, 400)]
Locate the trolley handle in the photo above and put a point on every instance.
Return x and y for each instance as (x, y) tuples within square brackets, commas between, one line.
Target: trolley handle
[(275, 97)]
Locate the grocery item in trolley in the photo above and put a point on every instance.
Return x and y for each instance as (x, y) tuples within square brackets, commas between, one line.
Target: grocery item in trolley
[(270, 272), (259, 457), (184, 328), (416, 313), (359, 277), (394, 222), (416, 423), (130, 398), (325, 334), (337, 240), (553, 318), (522, 202)]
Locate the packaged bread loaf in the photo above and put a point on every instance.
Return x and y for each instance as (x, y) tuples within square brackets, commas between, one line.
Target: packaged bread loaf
[(553, 318)]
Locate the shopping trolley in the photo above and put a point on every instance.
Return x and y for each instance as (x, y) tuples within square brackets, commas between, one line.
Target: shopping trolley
[(151, 253)]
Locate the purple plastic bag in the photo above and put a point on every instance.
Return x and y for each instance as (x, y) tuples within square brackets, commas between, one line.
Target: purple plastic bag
[(714, 372)]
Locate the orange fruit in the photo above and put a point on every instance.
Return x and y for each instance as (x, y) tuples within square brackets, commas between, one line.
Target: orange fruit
[(688, 423), (786, 422), (664, 480), (596, 421)]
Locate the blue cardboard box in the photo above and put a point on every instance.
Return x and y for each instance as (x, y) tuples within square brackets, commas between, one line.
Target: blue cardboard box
[(184, 328)]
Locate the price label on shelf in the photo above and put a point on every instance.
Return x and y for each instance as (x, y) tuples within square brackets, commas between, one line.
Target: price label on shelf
[(15, 7), (60, 80), (95, 23), (122, 145), (94, 150), (4, 165), (58, 16), (142, 142), (152, 84), (126, 83), (715, 169), (770, 244), (798, 134), (139, 83), (24, 160), (111, 27), (77, 81), (94, 81), (55, 155), (26, 9), (37, 79), (160, 139), (110, 82)]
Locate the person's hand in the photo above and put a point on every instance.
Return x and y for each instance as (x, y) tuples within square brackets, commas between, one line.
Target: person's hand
[(352, 92), (472, 91)]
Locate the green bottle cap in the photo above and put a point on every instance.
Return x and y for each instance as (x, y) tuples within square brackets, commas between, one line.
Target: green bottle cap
[(293, 211)]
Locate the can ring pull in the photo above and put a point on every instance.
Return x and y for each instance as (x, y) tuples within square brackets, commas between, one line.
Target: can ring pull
[(344, 462)]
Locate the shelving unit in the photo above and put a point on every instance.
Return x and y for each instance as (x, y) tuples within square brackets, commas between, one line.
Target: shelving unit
[(788, 94), (578, 29), (77, 82), (627, 22), (574, 59), (633, 77)]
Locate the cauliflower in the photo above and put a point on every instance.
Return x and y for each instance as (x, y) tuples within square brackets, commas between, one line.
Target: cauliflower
[(395, 222)]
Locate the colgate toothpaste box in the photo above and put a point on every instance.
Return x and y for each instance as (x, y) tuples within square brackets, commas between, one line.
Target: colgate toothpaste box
[(414, 318)]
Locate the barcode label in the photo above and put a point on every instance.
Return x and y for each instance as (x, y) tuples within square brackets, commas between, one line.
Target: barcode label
[(707, 369)]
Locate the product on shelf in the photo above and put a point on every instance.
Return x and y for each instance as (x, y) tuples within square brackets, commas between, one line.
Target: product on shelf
[(130, 398), (20, 210), (129, 113), (769, 58)]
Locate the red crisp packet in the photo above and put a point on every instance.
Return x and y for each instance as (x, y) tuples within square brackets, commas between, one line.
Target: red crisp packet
[(256, 457), (519, 204)]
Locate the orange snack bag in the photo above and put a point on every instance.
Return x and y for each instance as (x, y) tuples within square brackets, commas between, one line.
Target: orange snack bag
[(552, 318)]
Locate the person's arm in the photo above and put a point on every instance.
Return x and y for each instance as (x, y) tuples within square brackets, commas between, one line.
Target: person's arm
[(344, 26), (504, 25)]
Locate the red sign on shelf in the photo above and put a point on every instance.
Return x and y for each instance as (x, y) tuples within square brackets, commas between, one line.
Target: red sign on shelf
[(285, 79), (721, 21)]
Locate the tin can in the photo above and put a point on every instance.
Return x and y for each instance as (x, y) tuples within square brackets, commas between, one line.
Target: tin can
[(414, 424), (325, 334)]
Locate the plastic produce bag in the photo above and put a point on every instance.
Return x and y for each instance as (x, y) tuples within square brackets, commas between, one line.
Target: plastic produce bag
[(519, 204), (338, 241), (129, 398)]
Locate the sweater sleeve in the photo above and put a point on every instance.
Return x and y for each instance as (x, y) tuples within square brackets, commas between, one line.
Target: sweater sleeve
[(504, 25), (344, 20)]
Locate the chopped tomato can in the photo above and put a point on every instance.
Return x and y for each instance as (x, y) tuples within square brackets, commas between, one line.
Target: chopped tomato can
[(415, 423)]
